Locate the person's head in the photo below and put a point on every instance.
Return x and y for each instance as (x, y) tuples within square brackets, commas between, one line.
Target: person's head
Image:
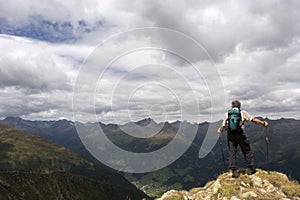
[(236, 104)]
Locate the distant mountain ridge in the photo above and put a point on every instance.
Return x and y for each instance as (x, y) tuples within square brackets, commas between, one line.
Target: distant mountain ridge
[(188, 171)]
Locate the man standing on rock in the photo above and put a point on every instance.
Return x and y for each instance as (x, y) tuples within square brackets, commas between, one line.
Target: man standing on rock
[(234, 122)]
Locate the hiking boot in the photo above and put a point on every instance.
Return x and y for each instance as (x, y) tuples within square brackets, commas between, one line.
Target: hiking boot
[(250, 170), (235, 173)]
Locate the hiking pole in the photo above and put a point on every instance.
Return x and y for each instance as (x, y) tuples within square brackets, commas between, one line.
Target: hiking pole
[(267, 143), (221, 144)]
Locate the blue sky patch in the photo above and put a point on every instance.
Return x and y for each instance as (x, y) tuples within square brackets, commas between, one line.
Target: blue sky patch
[(45, 30)]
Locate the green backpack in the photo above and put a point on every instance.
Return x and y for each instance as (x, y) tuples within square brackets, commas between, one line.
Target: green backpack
[(234, 120)]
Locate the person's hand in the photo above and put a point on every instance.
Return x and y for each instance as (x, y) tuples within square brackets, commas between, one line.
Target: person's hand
[(219, 131), (266, 124)]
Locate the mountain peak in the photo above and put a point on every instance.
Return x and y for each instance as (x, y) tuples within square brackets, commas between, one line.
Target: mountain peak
[(11, 118), (261, 185), (145, 122)]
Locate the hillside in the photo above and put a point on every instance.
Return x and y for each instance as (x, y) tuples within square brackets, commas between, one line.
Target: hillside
[(61, 132), (27, 153), (60, 186), (262, 185)]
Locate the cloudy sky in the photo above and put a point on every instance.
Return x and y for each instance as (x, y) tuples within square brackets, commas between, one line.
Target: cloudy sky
[(99, 56)]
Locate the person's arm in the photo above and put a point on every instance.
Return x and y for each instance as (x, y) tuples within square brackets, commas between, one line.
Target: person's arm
[(247, 117), (257, 121), (223, 126), (221, 129)]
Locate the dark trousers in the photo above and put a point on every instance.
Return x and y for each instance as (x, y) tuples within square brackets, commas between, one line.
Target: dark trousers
[(235, 139)]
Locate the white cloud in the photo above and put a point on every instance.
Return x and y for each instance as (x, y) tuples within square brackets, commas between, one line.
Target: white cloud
[(20, 11), (38, 77), (264, 79)]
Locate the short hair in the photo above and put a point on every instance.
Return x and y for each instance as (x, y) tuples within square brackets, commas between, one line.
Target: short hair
[(236, 103)]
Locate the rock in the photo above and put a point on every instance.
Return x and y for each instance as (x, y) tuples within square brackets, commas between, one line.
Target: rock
[(168, 194), (266, 183), (262, 191), (216, 186), (280, 193), (271, 188), (234, 198), (249, 194), (256, 181), (171, 192), (242, 189), (176, 194), (243, 184), (208, 197)]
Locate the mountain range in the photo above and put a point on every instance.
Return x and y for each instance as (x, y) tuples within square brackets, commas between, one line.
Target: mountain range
[(188, 171)]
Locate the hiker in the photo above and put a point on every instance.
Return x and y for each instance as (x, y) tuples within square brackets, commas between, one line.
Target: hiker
[(234, 122)]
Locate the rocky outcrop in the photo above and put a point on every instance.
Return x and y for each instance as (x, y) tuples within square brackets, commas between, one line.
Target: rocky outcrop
[(261, 185)]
